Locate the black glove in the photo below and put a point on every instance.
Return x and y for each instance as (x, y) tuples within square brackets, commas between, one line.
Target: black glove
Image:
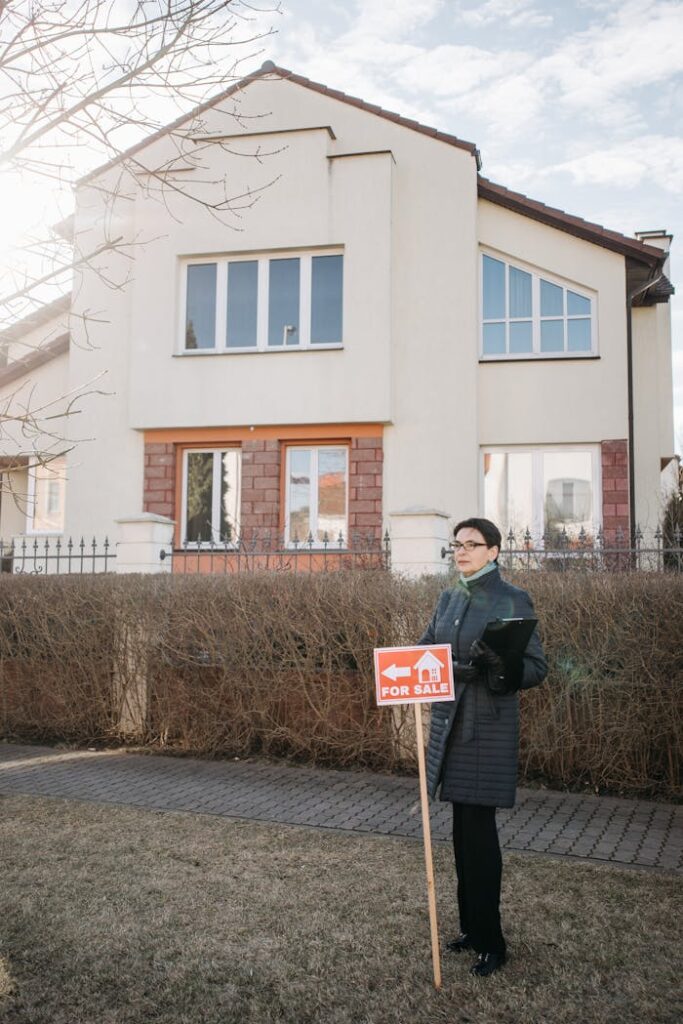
[(503, 672), (465, 673)]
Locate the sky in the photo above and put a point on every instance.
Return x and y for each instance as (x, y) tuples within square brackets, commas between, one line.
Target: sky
[(577, 104)]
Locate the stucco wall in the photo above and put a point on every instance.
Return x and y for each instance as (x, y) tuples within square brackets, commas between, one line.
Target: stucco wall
[(652, 409), (567, 400)]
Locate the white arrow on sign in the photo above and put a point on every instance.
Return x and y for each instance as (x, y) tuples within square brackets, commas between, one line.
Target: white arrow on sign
[(395, 672)]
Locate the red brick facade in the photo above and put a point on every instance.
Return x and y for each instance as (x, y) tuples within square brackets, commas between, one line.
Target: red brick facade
[(262, 500), (365, 489), (615, 490), (160, 476), (260, 507)]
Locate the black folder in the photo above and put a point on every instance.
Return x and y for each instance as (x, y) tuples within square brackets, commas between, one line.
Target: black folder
[(506, 636)]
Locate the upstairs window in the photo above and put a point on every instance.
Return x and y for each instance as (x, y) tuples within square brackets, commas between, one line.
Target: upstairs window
[(525, 314), (264, 303)]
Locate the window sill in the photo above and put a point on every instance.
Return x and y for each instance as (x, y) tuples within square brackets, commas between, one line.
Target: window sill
[(542, 357), (203, 352)]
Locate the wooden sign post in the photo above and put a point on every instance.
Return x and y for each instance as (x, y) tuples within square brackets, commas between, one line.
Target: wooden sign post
[(418, 675)]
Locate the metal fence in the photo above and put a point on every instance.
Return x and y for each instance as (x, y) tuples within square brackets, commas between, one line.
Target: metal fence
[(616, 551), (266, 550), (269, 550), (46, 556)]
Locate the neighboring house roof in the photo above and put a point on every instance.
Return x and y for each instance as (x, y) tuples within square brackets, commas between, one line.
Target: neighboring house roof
[(36, 318), (20, 367), (42, 315)]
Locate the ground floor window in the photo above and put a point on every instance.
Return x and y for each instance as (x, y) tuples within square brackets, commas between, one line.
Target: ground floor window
[(543, 490), (46, 496), (316, 500), (211, 496)]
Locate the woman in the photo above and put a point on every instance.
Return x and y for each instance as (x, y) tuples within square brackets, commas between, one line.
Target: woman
[(473, 742)]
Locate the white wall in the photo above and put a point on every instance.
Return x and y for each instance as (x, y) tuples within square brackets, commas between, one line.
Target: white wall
[(652, 408), (556, 401)]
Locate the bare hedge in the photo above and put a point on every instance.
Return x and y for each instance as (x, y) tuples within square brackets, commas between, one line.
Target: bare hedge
[(281, 665)]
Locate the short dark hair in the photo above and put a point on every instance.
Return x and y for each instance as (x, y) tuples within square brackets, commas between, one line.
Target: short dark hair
[(488, 530)]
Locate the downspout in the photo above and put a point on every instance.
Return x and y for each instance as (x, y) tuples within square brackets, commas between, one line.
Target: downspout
[(630, 296)]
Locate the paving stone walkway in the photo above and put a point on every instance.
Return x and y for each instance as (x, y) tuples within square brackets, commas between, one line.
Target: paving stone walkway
[(605, 829)]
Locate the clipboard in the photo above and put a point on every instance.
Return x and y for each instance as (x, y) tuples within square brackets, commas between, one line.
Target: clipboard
[(508, 636)]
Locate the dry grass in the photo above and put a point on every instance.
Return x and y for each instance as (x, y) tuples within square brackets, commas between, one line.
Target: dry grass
[(112, 915)]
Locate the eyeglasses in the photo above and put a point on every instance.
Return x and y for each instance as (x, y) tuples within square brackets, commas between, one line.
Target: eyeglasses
[(469, 545)]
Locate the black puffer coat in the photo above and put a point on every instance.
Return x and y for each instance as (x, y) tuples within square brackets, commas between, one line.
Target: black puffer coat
[(474, 739)]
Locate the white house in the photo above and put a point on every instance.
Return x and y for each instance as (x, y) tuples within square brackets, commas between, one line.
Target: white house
[(378, 339)]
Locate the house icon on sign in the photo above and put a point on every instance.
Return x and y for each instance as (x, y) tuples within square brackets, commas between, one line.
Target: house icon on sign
[(428, 668)]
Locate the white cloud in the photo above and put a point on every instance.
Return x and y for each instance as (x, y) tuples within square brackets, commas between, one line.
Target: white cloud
[(454, 71), (519, 13), (649, 158), (394, 19), (634, 46)]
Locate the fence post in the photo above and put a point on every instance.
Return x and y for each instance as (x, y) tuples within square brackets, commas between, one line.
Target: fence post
[(141, 539), (417, 537)]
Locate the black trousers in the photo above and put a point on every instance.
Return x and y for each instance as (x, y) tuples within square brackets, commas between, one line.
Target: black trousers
[(479, 868)]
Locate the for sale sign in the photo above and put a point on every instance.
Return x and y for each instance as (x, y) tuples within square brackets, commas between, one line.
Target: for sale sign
[(414, 675)]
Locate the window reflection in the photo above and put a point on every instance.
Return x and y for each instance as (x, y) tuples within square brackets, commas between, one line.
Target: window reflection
[(200, 317), (212, 496), (543, 491), (299, 493)]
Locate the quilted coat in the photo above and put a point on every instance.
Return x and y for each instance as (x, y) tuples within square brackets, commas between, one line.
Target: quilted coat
[(473, 742)]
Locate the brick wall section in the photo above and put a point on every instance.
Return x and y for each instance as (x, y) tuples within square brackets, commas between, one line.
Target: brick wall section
[(260, 508), (159, 479), (365, 490), (615, 496)]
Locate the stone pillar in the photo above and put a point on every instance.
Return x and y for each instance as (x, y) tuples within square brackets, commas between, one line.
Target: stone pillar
[(141, 539), (417, 537)]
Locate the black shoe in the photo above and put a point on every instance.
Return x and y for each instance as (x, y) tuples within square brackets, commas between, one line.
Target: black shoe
[(458, 945), (487, 963)]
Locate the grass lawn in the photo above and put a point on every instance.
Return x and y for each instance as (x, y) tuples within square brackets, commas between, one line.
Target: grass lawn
[(112, 915)]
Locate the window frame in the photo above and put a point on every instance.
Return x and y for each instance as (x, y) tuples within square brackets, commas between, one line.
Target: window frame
[(194, 545), (313, 524), (537, 274), (537, 451), (31, 503), (222, 262)]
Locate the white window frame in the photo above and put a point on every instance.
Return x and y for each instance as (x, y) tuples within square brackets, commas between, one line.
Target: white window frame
[(59, 477), (313, 522), (536, 275), (263, 260), (536, 527), (215, 498)]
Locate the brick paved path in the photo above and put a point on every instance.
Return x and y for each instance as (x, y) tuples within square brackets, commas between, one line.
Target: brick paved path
[(627, 832)]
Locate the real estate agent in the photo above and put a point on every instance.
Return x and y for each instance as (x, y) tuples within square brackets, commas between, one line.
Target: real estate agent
[(473, 742)]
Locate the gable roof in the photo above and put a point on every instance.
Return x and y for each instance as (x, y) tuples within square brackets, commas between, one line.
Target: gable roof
[(269, 69), (517, 201)]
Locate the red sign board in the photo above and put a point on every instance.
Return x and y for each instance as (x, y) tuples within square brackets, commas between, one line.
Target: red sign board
[(414, 675)]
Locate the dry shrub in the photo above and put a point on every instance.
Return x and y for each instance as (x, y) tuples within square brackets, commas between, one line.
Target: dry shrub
[(281, 664), (612, 714)]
